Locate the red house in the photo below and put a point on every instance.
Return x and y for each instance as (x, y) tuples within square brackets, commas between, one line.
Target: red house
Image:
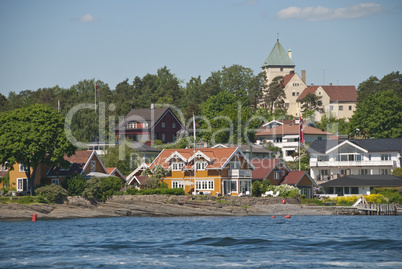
[(145, 124)]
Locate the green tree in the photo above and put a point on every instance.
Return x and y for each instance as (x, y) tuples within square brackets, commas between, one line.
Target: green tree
[(373, 85), (275, 95), (74, 184), (397, 172), (125, 159), (3, 103), (333, 125), (310, 104), (31, 136), (379, 115)]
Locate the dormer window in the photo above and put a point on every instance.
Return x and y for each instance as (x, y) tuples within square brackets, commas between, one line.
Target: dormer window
[(131, 125), (201, 165), (235, 165), (93, 166), (177, 166)]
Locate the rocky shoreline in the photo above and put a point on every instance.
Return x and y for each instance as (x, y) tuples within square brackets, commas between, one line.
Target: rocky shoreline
[(161, 206)]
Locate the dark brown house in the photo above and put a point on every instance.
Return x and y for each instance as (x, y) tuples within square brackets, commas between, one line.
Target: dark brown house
[(145, 124)]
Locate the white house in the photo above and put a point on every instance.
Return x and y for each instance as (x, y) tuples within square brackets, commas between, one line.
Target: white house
[(330, 159), (285, 135)]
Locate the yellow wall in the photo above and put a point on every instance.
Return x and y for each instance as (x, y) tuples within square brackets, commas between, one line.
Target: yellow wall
[(15, 174)]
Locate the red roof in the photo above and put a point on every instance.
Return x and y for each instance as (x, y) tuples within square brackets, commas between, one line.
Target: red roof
[(110, 170), (335, 93), (293, 177), (263, 167), (78, 161), (287, 78), (3, 173), (292, 130), (218, 156)]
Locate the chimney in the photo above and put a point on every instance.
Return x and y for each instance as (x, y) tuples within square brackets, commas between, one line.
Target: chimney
[(303, 76), (152, 106), (290, 53)]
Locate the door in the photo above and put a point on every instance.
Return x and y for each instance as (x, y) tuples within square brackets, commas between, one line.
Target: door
[(227, 187), (22, 184)]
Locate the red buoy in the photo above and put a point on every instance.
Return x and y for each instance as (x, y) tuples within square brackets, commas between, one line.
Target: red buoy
[(272, 217), (34, 217), (283, 201), (287, 217)]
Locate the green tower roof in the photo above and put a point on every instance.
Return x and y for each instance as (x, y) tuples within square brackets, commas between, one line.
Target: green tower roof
[(278, 57)]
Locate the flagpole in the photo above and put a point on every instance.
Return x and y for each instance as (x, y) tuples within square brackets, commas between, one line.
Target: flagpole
[(195, 166), (95, 97), (300, 122)]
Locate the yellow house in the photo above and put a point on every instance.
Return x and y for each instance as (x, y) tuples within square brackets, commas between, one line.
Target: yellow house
[(82, 162), (214, 171)]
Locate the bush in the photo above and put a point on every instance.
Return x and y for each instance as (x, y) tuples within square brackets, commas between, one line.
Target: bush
[(393, 195), (256, 189), (132, 191), (101, 189), (74, 184), (52, 193)]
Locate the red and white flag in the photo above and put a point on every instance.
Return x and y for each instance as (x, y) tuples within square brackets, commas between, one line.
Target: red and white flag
[(58, 106), (301, 134)]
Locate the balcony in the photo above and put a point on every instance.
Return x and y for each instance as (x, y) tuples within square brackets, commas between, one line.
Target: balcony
[(350, 163), (240, 173)]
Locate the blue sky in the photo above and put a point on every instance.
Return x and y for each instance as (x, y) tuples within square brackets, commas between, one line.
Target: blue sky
[(48, 43)]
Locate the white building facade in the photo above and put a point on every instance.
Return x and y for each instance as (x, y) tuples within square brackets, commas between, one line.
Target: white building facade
[(333, 159)]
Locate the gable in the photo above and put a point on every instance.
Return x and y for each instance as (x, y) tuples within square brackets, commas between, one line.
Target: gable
[(346, 147)]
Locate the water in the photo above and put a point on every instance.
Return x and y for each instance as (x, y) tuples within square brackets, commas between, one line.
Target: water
[(204, 242)]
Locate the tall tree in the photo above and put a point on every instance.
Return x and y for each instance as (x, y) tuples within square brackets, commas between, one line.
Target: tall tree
[(275, 95), (379, 115), (31, 136)]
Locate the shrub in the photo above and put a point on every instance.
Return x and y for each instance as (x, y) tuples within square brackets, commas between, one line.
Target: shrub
[(101, 189), (393, 195), (132, 191), (74, 184), (256, 189), (52, 193)]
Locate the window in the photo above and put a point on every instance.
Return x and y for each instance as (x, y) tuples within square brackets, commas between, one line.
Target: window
[(205, 184), (293, 94), (177, 184), (235, 165), (277, 174), (369, 157), (23, 168), (358, 158), (319, 138), (319, 103), (145, 124), (177, 166), (385, 171), (331, 108), (350, 107), (287, 105), (93, 166), (173, 125), (340, 107), (233, 185), (385, 157), (319, 93), (55, 181), (163, 137), (22, 184), (201, 165), (297, 93), (163, 124), (131, 125), (281, 69), (363, 172), (323, 158), (354, 190)]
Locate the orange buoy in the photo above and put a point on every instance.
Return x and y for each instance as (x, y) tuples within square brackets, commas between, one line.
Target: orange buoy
[(272, 217), (283, 201), (34, 217), (287, 217)]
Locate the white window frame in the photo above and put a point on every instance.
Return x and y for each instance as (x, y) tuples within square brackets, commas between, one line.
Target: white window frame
[(234, 165), (93, 166), (204, 185), (20, 184), (201, 165), (55, 181), (173, 125), (177, 184), (177, 166), (23, 168), (163, 137)]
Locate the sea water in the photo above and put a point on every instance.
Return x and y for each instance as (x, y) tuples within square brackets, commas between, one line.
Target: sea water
[(204, 242)]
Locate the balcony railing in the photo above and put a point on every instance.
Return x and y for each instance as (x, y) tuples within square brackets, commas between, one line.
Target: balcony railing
[(350, 163), (240, 173)]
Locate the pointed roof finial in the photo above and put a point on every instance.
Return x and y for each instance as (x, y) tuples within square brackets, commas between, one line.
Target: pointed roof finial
[(277, 36)]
